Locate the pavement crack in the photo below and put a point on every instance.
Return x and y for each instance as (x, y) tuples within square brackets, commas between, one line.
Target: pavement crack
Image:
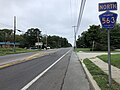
[(65, 73)]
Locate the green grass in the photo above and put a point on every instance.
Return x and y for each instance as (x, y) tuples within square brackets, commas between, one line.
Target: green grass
[(82, 49), (86, 50), (100, 77), (6, 51), (115, 59)]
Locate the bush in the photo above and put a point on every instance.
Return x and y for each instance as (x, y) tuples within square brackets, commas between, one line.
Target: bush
[(101, 47)]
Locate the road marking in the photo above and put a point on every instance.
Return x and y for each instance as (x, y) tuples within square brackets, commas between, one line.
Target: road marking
[(39, 54), (41, 74)]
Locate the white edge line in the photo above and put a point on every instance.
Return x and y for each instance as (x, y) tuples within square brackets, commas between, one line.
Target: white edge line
[(41, 74)]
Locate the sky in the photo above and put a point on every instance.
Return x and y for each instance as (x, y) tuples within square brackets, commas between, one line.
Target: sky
[(52, 17)]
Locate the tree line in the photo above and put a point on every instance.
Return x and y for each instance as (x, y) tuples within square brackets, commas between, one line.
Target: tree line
[(96, 37), (33, 35)]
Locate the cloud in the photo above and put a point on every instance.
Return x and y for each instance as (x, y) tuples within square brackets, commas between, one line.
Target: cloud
[(54, 16)]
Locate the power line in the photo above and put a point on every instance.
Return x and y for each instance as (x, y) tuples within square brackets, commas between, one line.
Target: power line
[(71, 10), (11, 27), (6, 25), (80, 14)]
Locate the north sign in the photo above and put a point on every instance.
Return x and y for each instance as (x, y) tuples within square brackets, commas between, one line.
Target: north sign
[(107, 6), (108, 19)]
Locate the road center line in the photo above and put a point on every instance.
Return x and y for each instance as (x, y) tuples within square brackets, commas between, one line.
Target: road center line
[(41, 74)]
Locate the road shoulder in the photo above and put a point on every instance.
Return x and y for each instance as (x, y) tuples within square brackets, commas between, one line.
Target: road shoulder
[(75, 77)]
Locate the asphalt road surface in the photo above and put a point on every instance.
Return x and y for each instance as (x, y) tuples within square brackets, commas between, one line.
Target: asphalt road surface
[(14, 57), (18, 76), (17, 57)]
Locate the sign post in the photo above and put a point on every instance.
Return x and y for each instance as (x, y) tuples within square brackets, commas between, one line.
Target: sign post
[(109, 60), (108, 20)]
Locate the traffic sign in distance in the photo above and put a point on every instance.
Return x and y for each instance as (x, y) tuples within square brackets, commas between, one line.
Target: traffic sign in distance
[(108, 19), (107, 6)]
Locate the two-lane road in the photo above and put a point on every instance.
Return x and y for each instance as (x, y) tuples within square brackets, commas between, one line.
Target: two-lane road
[(18, 76)]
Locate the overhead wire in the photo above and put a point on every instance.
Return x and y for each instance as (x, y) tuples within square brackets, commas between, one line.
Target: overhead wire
[(73, 4), (80, 14), (19, 30), (5, 25), (71, 10)]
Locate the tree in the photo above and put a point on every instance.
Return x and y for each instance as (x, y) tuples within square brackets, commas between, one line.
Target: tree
[(88, 37), (82, 40), (21, 40), (31, 37), (99, 36), (6, 35), (115, 36), (95, 35), (56, 42)]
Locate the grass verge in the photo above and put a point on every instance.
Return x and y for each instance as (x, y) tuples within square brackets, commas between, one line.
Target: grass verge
[(6, 51), (82, 49), (115, 59), (100, 77)]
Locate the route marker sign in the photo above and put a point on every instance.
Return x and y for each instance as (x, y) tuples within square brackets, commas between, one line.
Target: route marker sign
[(107, 6), (108, 19)]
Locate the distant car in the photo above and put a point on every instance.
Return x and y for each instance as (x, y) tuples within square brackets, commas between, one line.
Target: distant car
[(48, 47), (33, 48)]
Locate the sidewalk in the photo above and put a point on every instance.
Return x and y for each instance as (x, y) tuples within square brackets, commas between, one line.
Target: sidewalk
[(75, 77), (104, 66), (84, 55), (101, 64)]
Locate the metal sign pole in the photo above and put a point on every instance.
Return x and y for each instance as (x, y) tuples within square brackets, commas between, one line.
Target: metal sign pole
[(109, 60)]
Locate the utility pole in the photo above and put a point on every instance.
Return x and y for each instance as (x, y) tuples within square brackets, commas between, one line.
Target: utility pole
[(38, 39), (74, 36), (5, 38), (14, 33), (46, 40), (93, 45)]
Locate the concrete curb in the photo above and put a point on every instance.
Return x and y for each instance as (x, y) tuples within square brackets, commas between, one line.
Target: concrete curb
[(90, 77)]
